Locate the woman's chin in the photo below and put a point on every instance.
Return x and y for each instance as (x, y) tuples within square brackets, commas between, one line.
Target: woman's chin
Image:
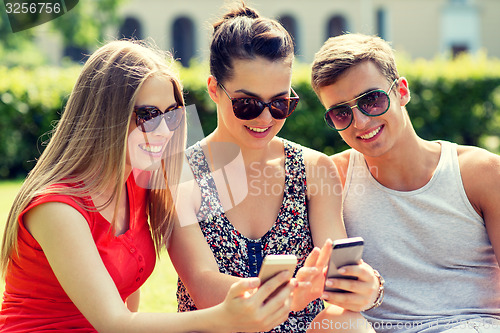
[(149, 165)]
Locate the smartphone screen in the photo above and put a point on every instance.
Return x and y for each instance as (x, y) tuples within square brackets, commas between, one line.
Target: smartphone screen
[(345, 252)]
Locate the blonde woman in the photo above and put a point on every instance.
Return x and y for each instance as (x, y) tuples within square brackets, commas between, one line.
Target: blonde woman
[(77, 244)]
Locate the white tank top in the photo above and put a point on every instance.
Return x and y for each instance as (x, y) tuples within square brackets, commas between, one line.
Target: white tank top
[(429, 244)]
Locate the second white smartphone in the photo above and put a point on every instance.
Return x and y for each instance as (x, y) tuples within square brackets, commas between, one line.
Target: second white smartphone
[(273, 264)]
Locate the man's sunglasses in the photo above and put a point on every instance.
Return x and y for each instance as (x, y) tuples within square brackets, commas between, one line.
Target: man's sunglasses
[(148, 118), (250, 108), (372, 104)]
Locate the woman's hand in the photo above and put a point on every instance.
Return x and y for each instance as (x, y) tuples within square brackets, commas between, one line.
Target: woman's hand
[(311, 277), (250, 308), (364, 291)]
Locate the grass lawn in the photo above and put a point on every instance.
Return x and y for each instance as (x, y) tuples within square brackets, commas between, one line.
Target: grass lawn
[(157, 294)]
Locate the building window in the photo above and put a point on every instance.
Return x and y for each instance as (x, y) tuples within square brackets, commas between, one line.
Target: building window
[(460, 28), (290, 24), (337, 26), (131, 28), (457, 49), (183, 37), (381, 22)]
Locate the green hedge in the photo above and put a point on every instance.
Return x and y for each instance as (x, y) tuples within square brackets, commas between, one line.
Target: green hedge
[(455, 100), (30, 102), (458, 101)]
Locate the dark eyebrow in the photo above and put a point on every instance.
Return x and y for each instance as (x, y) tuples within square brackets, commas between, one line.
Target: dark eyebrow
[(367, 91), (168, 107), (172, 105), (251, 94), (357, 96)]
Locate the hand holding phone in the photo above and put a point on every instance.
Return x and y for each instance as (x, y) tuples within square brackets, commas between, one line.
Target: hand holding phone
[(273, 264), (347, 251)]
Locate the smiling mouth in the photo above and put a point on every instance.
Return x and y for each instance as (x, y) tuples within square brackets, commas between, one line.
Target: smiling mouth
[(371, 134), (155, 149), (258, 130)]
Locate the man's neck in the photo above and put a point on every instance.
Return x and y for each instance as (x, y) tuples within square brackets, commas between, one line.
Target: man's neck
[(407, 166)]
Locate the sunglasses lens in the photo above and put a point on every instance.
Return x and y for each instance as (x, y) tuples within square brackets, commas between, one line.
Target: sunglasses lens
[(293, 104), (250, 108), (247, 108), (339, 117), (282, 108), (174, 118), (374, 103), (149, 118)]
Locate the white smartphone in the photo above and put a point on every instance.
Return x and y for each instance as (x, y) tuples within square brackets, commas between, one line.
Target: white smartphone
[(276, 263), (347, 251)]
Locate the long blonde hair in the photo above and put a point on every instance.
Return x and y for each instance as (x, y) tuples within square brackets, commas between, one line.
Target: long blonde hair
[(89, 143)]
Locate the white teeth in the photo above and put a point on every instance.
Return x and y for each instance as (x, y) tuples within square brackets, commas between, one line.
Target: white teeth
[(152, 149), (371, 134), (258, 130)]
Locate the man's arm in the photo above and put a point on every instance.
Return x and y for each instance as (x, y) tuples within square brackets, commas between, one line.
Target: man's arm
[(480, 172)]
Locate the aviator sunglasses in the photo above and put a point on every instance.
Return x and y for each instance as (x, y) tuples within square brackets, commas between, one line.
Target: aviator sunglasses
[(372, 104), (148, 118), (248, 108)]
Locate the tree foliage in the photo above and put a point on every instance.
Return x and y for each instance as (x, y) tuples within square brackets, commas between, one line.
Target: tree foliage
[(88, 22), (82, 27)]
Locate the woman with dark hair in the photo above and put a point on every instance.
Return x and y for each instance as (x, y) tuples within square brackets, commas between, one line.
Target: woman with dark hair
[(281, 198), (77, 244)]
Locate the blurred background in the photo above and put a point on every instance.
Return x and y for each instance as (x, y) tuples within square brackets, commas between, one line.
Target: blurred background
[(448, 49)]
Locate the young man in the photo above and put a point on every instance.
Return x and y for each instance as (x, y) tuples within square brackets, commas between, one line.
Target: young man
[(428, 210)]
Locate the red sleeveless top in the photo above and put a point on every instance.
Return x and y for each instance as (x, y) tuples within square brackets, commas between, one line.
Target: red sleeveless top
[(35, 301)]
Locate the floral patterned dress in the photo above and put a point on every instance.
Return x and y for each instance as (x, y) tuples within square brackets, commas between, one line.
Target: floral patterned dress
[(240, 256)]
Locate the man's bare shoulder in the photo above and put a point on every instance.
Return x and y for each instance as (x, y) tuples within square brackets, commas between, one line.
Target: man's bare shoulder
[(318, 165), (477, 159), (312, 155), (480, 171), (341, 161)]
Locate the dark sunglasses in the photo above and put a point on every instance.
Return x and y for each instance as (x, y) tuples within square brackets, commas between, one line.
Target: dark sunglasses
[(148, 118), (250, 108), (372, 104)]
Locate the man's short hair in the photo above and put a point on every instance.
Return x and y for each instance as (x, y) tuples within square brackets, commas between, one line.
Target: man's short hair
[(340, 53)]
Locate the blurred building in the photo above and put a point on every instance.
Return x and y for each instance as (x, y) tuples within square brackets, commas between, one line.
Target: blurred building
[(419, 28)]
